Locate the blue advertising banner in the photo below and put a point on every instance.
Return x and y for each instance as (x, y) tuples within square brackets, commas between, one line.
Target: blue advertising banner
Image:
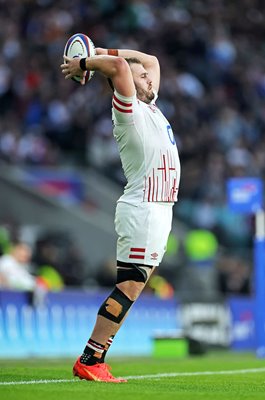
[(243, 323), (62, 325), (65, 186), (245, 195)]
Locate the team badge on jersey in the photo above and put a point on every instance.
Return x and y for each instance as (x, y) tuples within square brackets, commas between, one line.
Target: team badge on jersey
[(171, 135)]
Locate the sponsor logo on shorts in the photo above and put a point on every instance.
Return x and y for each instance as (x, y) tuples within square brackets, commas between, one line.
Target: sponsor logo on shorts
[(154, 256)]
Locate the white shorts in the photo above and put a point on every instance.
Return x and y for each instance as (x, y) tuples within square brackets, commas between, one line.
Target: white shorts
[(142, 232)]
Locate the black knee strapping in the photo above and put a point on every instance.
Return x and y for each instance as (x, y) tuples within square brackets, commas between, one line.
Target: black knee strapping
[(131, 272), (116, 306)]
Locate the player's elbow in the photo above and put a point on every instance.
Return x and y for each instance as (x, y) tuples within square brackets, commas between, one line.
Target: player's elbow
[(153, 61), (120, 66)]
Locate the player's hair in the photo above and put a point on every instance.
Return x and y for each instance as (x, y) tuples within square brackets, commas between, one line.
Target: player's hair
[(131, 60)]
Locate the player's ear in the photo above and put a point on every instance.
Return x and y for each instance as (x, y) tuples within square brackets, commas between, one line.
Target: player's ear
[(110, 83)]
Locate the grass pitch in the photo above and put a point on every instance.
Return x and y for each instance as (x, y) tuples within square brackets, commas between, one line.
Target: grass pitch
[(216, 376)]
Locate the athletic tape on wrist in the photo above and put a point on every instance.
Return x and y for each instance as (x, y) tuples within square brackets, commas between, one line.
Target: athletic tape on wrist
[(113, 52)]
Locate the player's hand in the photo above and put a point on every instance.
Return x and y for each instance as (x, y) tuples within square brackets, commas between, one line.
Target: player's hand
[(71, 68)]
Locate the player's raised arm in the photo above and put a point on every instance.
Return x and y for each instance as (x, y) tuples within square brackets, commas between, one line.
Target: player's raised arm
[(150, 63), (115, 68)]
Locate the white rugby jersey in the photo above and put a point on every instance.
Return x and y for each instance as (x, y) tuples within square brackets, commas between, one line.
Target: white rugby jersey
[(148, 151)]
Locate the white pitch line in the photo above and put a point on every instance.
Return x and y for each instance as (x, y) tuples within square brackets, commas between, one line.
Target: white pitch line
[(136, 377), (45, 381), (201, 373)]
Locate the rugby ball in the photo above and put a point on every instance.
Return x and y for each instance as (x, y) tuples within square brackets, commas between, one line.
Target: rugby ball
[(80, 45)]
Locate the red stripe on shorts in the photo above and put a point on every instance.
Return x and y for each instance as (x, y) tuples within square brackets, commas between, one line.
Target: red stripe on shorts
[(138, 256), (138, 249)]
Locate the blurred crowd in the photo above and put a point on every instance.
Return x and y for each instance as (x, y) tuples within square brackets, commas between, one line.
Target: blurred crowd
[(212, 91), (50, 262)]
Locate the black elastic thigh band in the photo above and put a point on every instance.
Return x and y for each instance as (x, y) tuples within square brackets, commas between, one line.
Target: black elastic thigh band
[(131, 272)]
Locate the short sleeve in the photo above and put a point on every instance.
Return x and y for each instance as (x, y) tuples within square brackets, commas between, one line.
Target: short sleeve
[(123, 108)]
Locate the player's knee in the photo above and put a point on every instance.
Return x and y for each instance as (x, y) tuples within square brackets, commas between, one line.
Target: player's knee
[(115, 306), (131, 289), (132, 277)]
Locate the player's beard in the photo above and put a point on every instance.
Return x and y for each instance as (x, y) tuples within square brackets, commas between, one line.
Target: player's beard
[(145, 95)]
